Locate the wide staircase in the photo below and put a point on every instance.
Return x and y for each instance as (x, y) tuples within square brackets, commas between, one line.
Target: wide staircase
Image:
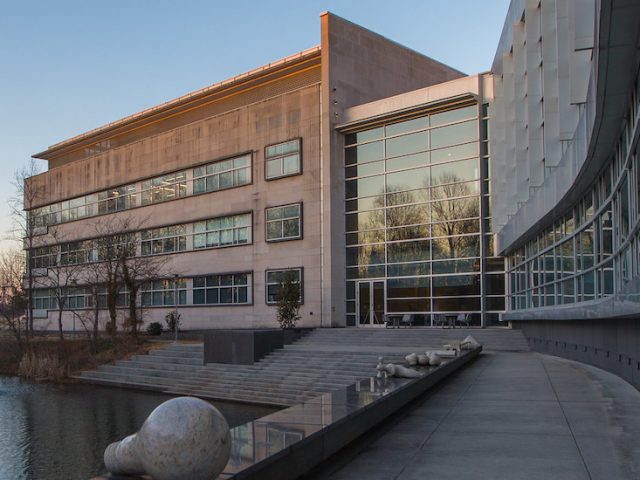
[(322, 361)]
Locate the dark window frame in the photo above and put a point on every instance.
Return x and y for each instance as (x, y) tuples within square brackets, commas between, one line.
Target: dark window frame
[(284, 175), (266, 283), (284, 239)]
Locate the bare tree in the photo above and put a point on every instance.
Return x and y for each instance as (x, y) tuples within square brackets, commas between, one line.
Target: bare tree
[(62, 277), (27, 225), (122, 267), (92, 278), (13, 302), (138, 271)]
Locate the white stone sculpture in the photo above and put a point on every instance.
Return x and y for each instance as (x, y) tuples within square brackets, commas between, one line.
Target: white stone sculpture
[(184, 437), (434, 359), (446, 353), (412, 359), (399, 371), (380, 368), (469, 343), (423, 360), (453, 346)]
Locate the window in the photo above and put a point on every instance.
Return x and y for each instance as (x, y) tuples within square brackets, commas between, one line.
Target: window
[(45, 216), (222, 231), (167, 187), (228, 289), (284, 223), (44, 257), (116, 199), (122, 300), (222, 174), (161, 292), (272, 283), (283, 159), (76, 253), (43, 299), (77, 208), (164, 240), (215, 176), (75, 298)]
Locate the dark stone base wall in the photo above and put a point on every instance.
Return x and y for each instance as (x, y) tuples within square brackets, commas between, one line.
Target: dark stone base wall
[(610, 344)]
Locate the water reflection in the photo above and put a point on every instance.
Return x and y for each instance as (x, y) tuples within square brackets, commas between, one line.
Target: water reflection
[(60, 431)]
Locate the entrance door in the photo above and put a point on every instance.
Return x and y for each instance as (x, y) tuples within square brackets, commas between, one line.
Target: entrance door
[(370, 303)]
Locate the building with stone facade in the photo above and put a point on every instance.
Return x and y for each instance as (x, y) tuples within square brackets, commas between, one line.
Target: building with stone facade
[(393, 185), (231, 185)]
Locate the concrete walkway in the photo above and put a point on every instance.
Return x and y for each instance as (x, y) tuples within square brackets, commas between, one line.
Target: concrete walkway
[(507, 416)]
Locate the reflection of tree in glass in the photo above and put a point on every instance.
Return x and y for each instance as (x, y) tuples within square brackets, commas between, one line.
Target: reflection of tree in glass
[(403, 219), (453, 218)]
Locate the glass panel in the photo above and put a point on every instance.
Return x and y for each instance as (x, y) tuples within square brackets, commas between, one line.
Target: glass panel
[(460, 171), (365, 187), (408, 287), (454, 153), (291, 228), (364, 136), (364, 153), (407, 215), (361, 169), (274, 213), (378, 303), (412, 143), (408, 161), (408, 180), (364, 303), (291, 164), (409, 251), (456, 285), (274, 168), (454, 115), (407, 126), (291, 211), (454, 134)]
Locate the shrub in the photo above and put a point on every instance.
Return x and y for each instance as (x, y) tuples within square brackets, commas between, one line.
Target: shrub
[(288, 300), (154, 328)]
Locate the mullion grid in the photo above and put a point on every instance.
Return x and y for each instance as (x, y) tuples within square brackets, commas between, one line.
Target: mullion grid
[(610, 271), (386, 243)]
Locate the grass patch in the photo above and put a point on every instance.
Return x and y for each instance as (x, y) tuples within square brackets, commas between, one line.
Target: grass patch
[(47, 358)]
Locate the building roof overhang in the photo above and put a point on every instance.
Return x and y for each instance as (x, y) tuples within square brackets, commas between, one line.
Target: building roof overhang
[(245, 81), (455, 93)]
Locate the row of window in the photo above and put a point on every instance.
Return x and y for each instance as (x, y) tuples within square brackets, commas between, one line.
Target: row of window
[(593, 251), (281, 160), (282, 223), (219, 289)]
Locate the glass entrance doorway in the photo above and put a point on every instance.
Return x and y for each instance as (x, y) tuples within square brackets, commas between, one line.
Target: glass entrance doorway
[(370, 306)]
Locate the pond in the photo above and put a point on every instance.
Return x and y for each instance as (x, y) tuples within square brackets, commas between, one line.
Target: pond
[(54, 431)]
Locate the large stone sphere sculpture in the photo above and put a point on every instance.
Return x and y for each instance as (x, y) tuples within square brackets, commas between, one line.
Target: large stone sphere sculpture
[(185, 437)]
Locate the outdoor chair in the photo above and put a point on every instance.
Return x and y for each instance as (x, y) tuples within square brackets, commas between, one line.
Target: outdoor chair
[(406, 320), (463, 319), (439, 320)]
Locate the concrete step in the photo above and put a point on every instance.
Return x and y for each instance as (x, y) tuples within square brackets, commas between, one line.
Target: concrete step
[(169, 359), (253, 391), (321, 361), (277, 376)]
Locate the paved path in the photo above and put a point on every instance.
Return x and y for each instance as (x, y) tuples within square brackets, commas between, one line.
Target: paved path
[(511, 416)]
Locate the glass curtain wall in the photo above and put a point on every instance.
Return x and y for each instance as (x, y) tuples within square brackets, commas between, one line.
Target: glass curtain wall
[(593, 250), (417, 208)]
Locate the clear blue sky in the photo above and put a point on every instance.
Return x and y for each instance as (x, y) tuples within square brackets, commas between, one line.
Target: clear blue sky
[(69, 66)]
